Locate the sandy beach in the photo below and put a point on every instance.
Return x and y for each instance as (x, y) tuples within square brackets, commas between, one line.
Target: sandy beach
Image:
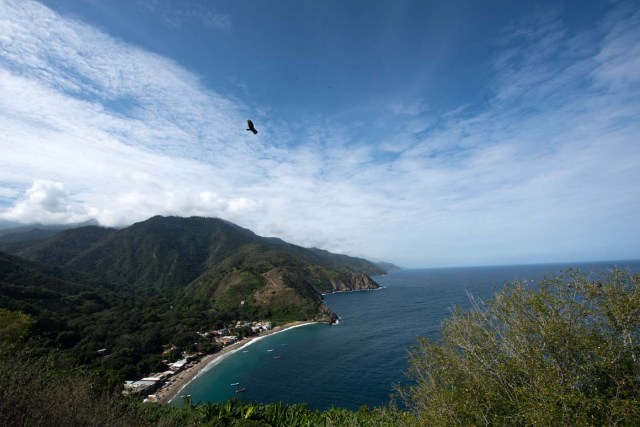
[(178, 382)]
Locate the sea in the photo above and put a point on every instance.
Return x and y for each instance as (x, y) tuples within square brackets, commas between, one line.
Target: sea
[(363, 359)]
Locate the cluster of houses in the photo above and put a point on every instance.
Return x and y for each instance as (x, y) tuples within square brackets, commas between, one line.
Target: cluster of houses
[(147, 385), (227, 336)]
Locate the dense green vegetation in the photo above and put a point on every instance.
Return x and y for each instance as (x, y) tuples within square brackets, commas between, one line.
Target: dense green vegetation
[(565, 351), (236, 413)]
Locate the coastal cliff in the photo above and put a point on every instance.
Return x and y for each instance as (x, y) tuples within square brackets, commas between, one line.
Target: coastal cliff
[(353, 282), (326, 315)]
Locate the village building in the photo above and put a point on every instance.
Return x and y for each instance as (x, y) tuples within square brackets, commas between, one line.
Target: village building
[(140, 387), (228, 339), (177, 366)]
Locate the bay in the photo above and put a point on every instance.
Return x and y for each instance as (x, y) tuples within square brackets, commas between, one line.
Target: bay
[(358, 361)]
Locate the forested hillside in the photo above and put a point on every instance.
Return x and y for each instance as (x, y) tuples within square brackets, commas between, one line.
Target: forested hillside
[(155, 284)]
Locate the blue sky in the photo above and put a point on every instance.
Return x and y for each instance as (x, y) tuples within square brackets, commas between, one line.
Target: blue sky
[(418, 132)]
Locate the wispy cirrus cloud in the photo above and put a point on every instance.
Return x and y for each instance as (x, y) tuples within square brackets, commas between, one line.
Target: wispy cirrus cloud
[(180, 13), (547, 169), (549, 162)]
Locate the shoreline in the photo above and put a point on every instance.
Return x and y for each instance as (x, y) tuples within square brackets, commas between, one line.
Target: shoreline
[(353, 290), (179, 381)]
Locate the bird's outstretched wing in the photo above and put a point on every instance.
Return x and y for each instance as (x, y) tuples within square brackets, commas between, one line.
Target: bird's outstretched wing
[(251, 127)]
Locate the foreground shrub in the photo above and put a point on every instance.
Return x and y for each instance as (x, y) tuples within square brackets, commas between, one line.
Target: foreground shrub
[(564, 352), (48, 390)]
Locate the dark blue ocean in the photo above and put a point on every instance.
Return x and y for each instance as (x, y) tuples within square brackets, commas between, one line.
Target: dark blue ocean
[(358, 361)]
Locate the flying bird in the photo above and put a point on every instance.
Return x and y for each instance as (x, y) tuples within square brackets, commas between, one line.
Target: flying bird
[(251, 128)]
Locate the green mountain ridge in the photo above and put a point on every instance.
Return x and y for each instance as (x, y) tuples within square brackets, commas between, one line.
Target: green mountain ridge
[(388, 266), (159, 281), (173, 251)]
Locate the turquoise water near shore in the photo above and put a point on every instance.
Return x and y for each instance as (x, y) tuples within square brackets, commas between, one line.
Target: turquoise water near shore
[(358, 361)]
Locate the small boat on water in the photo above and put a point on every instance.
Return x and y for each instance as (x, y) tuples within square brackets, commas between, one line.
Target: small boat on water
[(277, 357), (234, 384), (270, 349), (240, 390)]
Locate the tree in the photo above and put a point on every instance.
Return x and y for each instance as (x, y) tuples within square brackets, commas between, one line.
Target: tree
[(14, 327), (564, 352)]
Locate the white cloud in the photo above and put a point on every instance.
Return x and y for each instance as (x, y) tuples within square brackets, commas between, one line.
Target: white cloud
[(99, 128), (47, 202), (619, 57), (180, 13)]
